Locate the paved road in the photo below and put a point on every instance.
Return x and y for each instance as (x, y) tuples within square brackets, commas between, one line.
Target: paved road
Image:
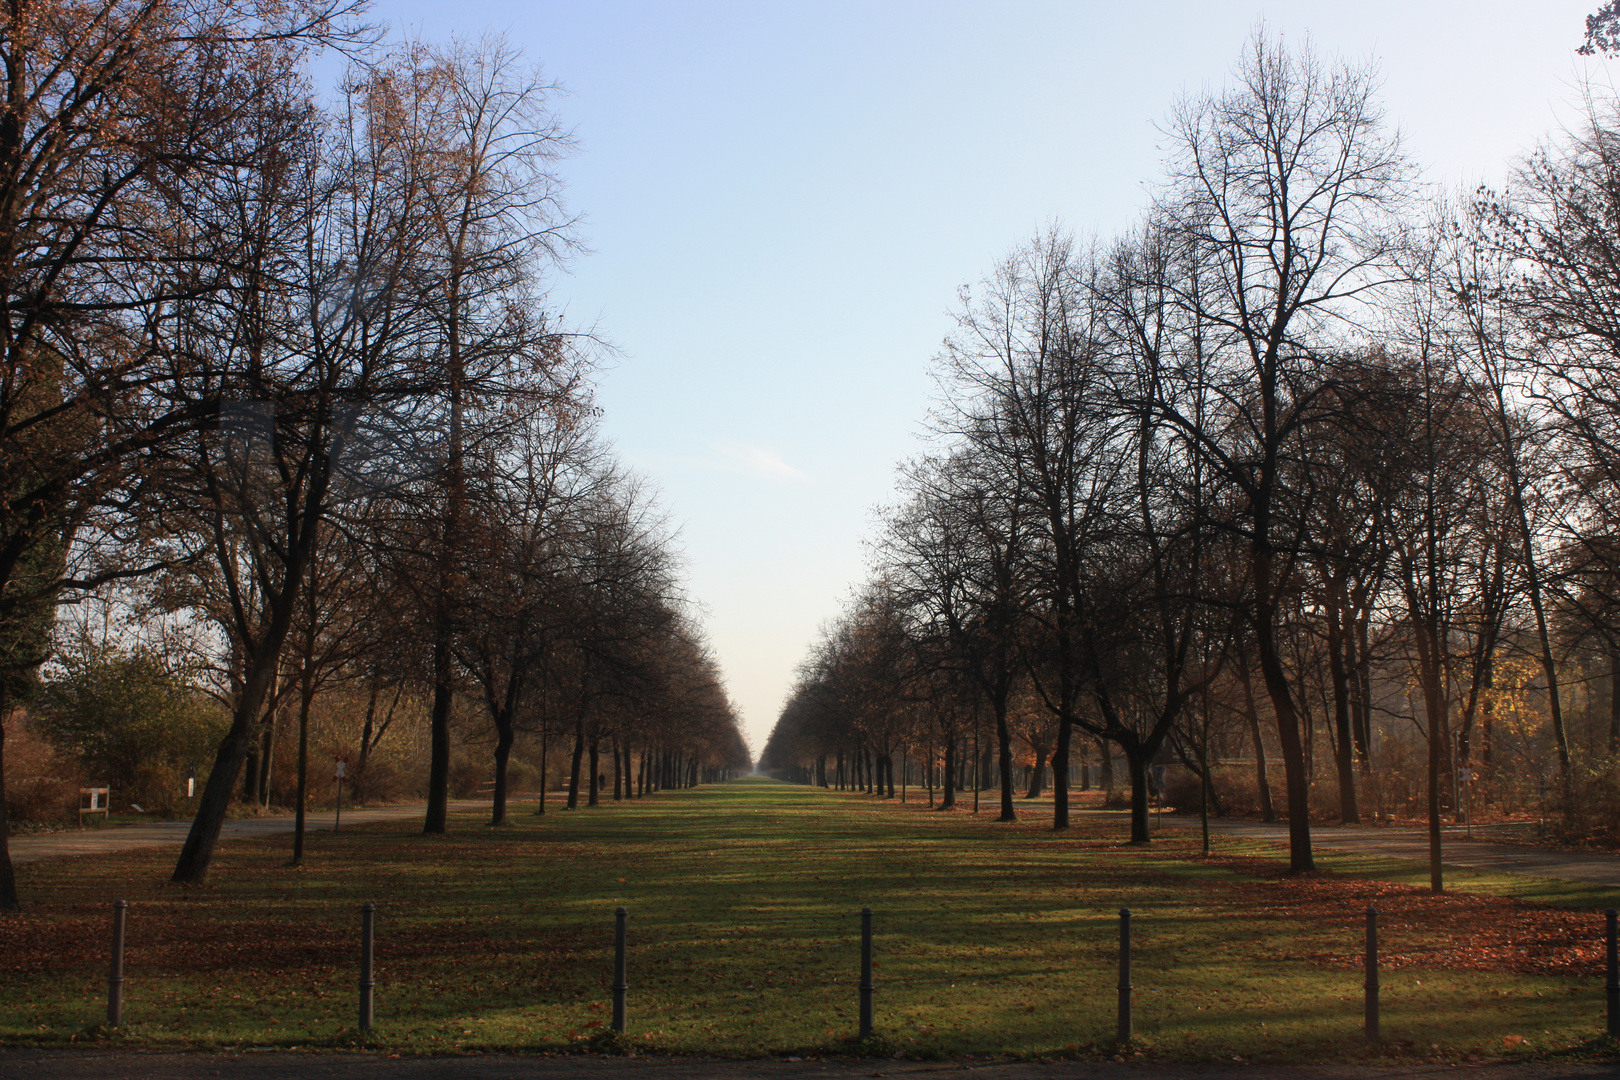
[(80, 842), (122, 1065)]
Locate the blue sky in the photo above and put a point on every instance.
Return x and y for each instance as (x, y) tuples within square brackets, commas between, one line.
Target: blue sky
[(782, 199)]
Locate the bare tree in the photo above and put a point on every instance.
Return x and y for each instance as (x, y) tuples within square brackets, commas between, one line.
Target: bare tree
[(1281, 189), (117, 119), (494, 205)]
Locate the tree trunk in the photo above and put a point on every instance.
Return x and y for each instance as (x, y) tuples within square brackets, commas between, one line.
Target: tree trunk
[(976, 770), (1268, 812), (1060, 773), (250, 771), (1037, 775), (306, 695), (1614, 700), (573, 768), (1004, 748), (1204, 785), (455, 488), (1436, 869), (947, 799), (267, 756), (436, 823), (1344, 741), (258, 679), (596, 776), (1275, 678), (8, 876), (1136, 763), (365, 727), (544, 739), (505, 735), (1362, 673)]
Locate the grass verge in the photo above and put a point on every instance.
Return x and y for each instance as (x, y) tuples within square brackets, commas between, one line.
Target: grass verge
[(991, 939)]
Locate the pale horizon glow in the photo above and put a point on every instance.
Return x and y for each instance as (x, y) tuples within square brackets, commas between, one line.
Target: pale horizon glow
[(781, 201)]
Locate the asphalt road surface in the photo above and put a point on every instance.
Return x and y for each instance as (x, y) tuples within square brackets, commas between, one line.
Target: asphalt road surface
[(117, 1065)]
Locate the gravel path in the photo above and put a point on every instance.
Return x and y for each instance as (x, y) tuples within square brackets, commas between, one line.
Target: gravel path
[(1456, 849), (81, 842), (1594, 867)]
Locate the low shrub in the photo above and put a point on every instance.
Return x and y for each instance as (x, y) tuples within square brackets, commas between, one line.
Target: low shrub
[(42, 785)]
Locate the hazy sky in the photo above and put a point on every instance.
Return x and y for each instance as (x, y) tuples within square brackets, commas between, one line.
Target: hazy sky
[(783, 198)]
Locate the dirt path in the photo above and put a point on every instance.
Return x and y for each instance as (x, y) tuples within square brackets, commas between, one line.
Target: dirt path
[(122, 1065), (81, 842), (1456, 849), (1413, 844)]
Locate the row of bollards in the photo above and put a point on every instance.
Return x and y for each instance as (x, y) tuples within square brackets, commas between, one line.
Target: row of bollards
[(621, 985)]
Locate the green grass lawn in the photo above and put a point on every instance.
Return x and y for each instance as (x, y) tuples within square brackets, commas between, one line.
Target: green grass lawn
[(744, 900)]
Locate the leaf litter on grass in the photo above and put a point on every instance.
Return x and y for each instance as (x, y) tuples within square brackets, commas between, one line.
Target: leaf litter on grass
[(993, 938)]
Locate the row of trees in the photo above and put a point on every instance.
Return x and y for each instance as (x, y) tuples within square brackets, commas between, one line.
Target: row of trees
[(279, 376), (1307, 450)]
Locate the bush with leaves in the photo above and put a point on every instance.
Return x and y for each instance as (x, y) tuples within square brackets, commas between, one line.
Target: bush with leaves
[(135, 726)]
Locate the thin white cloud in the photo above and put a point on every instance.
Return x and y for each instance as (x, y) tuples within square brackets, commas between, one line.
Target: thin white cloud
[(759, 462)]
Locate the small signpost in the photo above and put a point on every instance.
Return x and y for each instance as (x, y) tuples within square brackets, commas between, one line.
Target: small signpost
[(342, 771), (94, 800), (1464, 781), (1158, 791)]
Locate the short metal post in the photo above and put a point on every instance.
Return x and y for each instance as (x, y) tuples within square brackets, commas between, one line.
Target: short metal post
[(368, 980), (1371, 1004), (866, 972), (1611, 982), (115, 973), (620, 985), (1123, 1035)]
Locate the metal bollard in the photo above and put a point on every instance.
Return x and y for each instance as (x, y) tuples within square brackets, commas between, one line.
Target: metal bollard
[(115, 975), (620, 985), (368, 942), (1123, 1035), (1371, 1005), (1611, 983), (866, 972)]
